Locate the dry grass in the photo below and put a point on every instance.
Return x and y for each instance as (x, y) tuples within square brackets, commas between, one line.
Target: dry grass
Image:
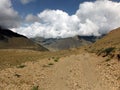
[(13, 57), (110, 44)]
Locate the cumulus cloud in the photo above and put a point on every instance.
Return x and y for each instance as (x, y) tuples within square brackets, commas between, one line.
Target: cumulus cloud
[(8, 16), (30, 18), (103, 13), (92, 18), (26, 1), (53, 23)]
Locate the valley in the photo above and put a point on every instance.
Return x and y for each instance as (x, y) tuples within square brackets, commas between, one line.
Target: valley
[(89, 67), (59, 44), (63, 71)]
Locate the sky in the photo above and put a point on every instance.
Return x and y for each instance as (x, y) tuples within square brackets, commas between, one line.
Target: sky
[(36, 6), (60, 18)]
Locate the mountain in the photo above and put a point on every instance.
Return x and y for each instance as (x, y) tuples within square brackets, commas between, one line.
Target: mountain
[(65, 43), (109, 45), (12, 40)]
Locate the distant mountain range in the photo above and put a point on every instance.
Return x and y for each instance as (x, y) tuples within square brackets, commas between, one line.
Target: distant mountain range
[(65, 43), (12, 40)]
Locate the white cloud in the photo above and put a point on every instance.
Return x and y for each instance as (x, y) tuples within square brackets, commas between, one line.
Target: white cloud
[(104, 14), (30, 18), (92, 18), (26, 1), (53, 23), (8, 16)]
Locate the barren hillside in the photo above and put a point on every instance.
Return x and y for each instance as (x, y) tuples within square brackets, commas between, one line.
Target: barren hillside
[(108, 45), (11, 40)]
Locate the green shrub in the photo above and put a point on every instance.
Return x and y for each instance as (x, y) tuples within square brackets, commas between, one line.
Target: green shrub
[(108, 50), (17, 75), (108, 59), (35, 88), (56, 59), (21, 66), (51, 64)]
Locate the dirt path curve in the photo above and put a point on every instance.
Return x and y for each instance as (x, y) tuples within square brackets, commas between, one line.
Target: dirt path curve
[(75, 72)]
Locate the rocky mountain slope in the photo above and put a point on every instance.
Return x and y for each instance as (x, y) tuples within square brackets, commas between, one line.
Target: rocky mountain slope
[(11, 40), (65, 43), (109, 45)]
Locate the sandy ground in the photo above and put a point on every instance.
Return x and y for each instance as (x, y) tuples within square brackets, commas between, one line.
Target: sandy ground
[(76, 72)]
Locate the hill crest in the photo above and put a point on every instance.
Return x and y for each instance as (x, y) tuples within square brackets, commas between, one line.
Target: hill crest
[(12, 40)]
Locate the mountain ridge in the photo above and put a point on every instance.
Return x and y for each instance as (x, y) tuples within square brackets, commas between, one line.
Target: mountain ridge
[(65, 43), (12, 40)]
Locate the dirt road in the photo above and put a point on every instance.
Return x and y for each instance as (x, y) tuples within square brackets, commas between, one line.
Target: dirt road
[(75, 72)]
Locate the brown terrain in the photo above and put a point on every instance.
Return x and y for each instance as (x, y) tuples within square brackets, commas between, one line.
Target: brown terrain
[(73, 69), (108, 46), (12, 40)]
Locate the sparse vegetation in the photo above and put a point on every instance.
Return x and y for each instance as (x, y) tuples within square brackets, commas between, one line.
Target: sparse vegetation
[(108, 50), (21, 66), (48, 69), (15, 57), (56, 59), (35, 88), (45, 66), (17, 75), (108, 46), (50, 64), (105, 52), (108, 59), (53, 57)]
